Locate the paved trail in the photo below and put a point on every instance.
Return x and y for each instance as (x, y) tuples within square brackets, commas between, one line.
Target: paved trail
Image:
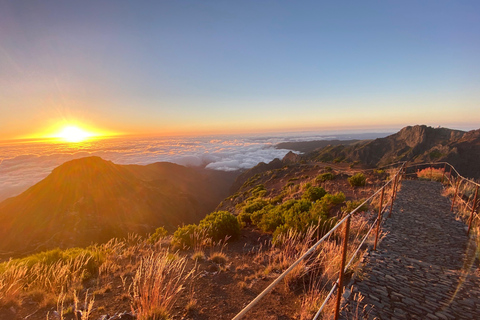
[(418, 270)]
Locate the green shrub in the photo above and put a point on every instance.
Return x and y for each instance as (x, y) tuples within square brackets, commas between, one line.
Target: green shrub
[(271, 219), (255, 206), (244, 218), (184, 236), (258, 191), (334, 199), (277, 199), (325, 177), (352, 205), (357, 180), (256, 217), (314, 193), (159, 233), (220, 224)]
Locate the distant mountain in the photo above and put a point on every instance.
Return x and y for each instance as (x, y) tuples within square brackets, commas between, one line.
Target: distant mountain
[(92, 200), (418, 143), (309, 146)]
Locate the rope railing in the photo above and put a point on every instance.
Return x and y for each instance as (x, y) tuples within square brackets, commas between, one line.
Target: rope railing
[(346, 222)]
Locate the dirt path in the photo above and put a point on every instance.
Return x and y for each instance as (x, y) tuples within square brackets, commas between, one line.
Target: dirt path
[(420, 269)]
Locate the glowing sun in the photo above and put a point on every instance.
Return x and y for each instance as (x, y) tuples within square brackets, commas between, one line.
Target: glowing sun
[(73, 134)]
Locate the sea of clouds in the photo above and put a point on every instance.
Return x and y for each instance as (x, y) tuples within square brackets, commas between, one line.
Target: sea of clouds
[(22, 164)]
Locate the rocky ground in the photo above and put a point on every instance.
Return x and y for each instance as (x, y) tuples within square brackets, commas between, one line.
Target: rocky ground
[(425, 266)]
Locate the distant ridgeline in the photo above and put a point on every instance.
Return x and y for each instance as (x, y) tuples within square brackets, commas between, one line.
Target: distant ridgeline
[(418, 143)]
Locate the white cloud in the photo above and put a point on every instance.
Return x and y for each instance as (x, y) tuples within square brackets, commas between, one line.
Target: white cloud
[(22, 165)]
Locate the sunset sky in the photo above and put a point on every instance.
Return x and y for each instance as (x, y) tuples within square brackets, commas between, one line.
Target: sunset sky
[(195, 67)]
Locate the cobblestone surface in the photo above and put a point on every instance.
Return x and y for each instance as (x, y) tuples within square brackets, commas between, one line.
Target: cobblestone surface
[(421, 269)]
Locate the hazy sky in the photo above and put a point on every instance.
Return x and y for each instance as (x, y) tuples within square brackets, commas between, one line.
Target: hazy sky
[(231, 66)]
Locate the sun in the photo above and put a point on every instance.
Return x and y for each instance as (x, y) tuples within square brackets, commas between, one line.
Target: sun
[(73, 134)]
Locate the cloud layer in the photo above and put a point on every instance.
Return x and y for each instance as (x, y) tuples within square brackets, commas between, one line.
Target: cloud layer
[(24, 164)]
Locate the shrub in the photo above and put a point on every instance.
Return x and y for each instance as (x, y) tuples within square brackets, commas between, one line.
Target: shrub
[(159, 233), (258, 191), (314, 193), (221, 224), (352, 205), (255, 206), (357, 180), (244, 218), (325, 177), (271, 219), (256, 217), (184, 236), (334, 199)]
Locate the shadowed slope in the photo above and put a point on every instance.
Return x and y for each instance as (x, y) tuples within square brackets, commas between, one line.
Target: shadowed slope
[(91, 200)]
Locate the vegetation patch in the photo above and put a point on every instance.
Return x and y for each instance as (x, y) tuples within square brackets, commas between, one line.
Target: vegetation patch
[(326, 176), (216, 226), (357, 180)]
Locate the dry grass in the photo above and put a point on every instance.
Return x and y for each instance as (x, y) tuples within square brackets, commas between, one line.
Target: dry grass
[(432, 174), (198, 255), (157, 284), (218, 257), (87, 307)]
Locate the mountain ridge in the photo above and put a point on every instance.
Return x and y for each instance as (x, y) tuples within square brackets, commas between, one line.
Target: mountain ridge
[(92, 200)]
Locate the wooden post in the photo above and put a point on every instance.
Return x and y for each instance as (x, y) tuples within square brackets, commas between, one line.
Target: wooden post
[(378, 220), (395, 187), (474, 204), (450, 175), (394, 195), (443, 173), (342, 267), (455, 195)]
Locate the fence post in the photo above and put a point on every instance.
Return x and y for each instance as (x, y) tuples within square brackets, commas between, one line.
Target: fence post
[(394, 195), (455, 195), (473, 210), (450, 174), (443, 174), (395, 187), (379, 219), (342, 267)]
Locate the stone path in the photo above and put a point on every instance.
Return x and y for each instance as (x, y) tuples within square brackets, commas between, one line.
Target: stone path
[(421, 269)]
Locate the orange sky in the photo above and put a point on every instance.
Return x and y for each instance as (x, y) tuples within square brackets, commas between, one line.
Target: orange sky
[(166, 68)]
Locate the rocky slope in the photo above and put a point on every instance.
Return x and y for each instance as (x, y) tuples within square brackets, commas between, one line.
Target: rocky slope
[(91, 200), (418, 143)]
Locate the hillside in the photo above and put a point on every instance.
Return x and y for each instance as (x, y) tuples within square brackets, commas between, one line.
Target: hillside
[(418, 143), (92, 200)]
